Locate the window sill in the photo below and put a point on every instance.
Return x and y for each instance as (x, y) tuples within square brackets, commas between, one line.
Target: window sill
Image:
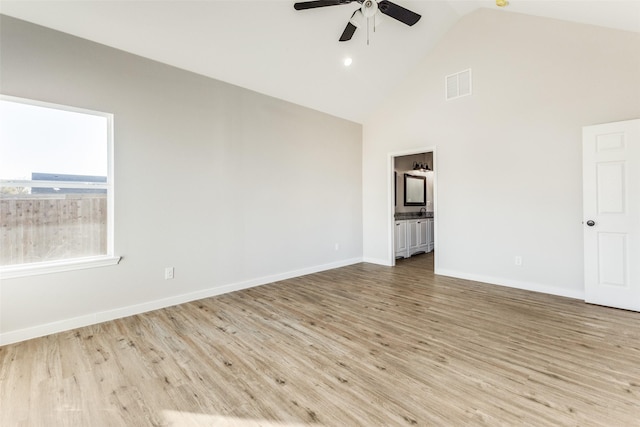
[(12, 272)]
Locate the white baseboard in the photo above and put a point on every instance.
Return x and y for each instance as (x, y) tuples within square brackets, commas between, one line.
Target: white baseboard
[(378, 261), (528, 286), (117, 313)]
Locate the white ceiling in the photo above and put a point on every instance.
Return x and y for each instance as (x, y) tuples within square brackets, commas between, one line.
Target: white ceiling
[(267, 46)]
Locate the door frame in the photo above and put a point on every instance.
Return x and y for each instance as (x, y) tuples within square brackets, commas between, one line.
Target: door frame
[(391, 157)]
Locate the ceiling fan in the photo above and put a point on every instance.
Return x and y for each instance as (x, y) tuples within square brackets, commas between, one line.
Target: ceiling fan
[(368, 9)]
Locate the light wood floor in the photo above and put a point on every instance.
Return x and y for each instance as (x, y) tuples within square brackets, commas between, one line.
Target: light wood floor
[(361, 345)]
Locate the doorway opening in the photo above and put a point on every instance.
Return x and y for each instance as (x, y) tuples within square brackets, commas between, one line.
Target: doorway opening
[(412, 207)]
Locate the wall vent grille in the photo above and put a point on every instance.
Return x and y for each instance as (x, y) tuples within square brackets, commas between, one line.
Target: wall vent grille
[(458, 84)]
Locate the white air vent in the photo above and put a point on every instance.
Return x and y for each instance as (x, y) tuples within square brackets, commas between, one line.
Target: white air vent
[(458, 84)]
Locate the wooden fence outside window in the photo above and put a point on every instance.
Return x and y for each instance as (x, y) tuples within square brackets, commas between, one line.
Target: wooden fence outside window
[(48, 227)]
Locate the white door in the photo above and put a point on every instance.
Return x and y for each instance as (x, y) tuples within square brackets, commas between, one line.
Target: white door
[(611, 197), (423, 234), (400, 235), (430, 236), (413, 231)]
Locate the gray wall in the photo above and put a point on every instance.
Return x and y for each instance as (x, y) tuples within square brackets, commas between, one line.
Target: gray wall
[(231, 187), (508, 159)]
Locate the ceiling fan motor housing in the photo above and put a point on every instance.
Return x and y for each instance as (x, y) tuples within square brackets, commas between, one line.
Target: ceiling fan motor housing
[(369, 8)]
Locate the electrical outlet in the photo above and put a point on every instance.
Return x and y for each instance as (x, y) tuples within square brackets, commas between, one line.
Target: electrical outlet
[(168, 273), (518, 260), (337, 246)]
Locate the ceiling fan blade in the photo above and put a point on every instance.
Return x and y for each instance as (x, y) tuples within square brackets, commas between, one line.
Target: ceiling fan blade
[(398, 12), (351, 27), (348, 32), (319, 3)]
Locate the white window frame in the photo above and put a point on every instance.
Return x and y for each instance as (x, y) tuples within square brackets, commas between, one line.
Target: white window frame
[(68, 264)]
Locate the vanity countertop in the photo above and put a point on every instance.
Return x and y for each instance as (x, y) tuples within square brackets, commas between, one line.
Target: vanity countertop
[(413, 215)]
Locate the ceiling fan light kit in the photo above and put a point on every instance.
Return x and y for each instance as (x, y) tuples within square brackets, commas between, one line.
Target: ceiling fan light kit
[(368, 9)]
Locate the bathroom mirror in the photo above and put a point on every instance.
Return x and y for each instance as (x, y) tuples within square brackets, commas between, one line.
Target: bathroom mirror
[(415, 190)]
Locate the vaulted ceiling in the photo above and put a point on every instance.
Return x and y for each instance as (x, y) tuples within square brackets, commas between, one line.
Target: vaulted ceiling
[(268, 47)]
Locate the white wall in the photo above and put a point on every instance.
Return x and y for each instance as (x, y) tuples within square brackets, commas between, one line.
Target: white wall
[(508, 164), (230, 187)]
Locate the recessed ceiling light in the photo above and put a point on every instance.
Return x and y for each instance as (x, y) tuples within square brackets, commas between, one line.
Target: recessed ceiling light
[(347, 61)]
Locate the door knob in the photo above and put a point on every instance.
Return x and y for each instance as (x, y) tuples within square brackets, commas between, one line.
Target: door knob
[(591, 223)]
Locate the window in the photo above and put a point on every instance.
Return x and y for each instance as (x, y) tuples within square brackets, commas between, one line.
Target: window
[(56, 187)]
